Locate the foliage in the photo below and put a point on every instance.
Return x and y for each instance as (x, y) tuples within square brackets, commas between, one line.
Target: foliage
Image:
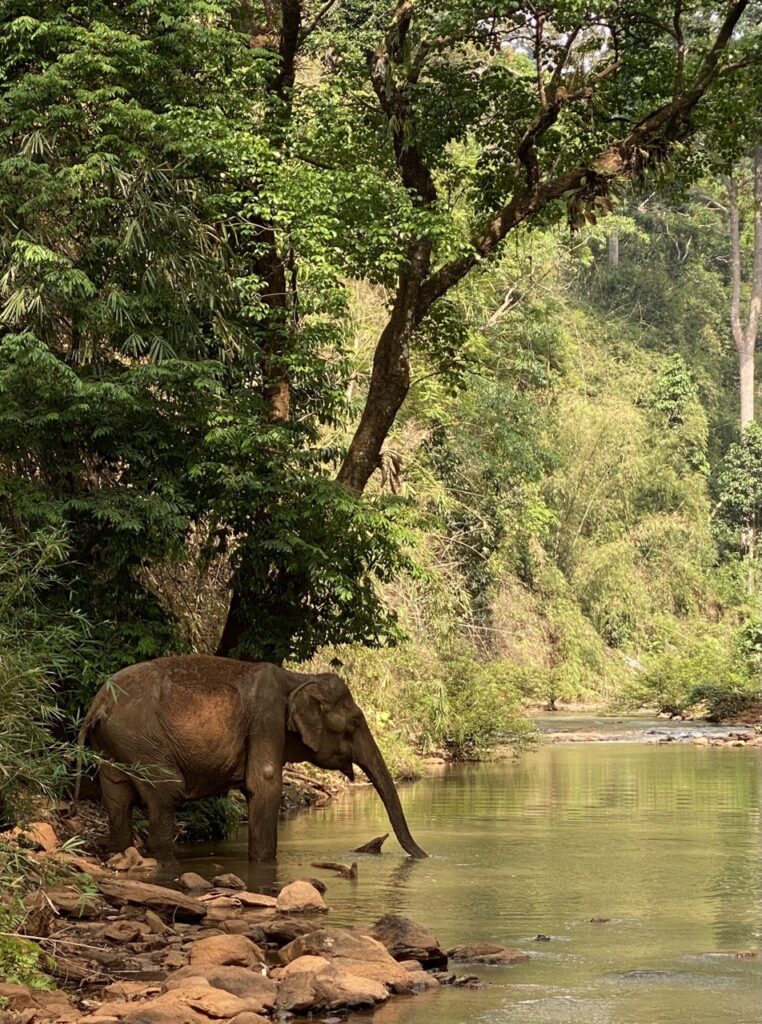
[(22, 963), (710, 673), (740, 481), (210, 818), (37, 642)]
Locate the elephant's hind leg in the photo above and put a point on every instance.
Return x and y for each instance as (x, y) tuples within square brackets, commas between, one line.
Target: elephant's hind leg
[(118, 795), (160, 801)]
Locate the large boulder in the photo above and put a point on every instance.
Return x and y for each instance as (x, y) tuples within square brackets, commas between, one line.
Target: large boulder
[(360, 955), (300, 897), (408, 940), (314, 983), (225, 950), (254, 988), (486, 953), (174, 904)]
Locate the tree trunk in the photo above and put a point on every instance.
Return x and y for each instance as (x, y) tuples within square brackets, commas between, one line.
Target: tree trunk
[(613, 247), (746, 366)]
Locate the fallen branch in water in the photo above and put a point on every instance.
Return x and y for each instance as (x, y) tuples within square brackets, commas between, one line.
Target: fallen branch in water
[(343, 870), (374, 846)]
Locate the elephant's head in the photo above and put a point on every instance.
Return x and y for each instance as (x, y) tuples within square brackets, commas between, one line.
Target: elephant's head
[(322, 712)]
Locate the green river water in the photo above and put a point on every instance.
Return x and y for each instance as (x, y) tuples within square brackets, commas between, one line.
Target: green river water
[(665, 841)]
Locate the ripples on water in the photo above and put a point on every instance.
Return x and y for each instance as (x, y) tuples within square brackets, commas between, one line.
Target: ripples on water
[(664, 842)]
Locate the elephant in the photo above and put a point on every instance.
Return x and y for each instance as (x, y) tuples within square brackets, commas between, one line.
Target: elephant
[(191, 726)]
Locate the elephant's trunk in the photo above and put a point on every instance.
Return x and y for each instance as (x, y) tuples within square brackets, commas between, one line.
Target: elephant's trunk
[(368, 757)]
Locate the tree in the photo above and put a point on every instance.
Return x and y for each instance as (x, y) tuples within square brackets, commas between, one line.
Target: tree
[(745, 329), (534, 91)]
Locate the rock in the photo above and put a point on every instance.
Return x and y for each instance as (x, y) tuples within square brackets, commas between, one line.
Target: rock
[(195, 883), (486, 953), (124, 991), (125, 931), (423, 980), (156, 897), (226, 950), (247, 1017), (155, 923), (174, 959), (360, 955), (256, 899), (258, 991), (228, 881), (458, 981), (408, 940), (69, 900), (42, 835), (313, 983), (281, 930), (195, 1000), (125, 860), (299, 898)]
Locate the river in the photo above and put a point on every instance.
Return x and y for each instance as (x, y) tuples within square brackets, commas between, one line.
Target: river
[(663, 841)]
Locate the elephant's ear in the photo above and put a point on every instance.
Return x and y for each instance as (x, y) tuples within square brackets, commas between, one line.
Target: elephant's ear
[(305, 715)]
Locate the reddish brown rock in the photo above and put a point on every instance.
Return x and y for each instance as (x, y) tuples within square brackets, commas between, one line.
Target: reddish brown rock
[(360, 955), (225, 950), (257, 990), (314, 983), (299, 898)]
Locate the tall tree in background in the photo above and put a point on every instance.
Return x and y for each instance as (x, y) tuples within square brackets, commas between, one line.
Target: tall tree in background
[(745, 323)]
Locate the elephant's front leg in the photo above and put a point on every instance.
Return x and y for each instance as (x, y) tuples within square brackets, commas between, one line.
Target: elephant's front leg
[(264, 787)]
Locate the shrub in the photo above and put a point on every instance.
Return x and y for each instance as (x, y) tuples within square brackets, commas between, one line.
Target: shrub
[(711, 676), (38, 644), (21, 963)]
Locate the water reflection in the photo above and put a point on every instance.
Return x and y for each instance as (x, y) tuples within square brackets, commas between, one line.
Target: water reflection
[(663, 841)]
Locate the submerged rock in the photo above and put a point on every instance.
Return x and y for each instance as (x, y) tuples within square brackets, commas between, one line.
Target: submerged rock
[(486, 953), (193, 882)]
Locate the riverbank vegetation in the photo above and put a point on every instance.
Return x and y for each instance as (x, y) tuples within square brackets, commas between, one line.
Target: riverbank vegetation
[(394, 339)]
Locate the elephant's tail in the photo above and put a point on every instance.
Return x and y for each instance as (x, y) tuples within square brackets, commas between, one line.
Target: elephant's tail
[(96, 711), (81, 740)]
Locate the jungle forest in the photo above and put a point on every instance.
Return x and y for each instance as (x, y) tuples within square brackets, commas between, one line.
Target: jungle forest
[(379, 387)]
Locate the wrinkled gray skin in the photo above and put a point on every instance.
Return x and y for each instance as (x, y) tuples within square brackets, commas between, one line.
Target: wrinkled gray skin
[(198, 726)]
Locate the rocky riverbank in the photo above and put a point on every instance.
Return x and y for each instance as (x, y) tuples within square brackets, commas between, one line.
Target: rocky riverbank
[(123, 950)]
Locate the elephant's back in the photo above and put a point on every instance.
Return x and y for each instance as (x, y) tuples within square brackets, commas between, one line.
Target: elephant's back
[(188, 709)]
